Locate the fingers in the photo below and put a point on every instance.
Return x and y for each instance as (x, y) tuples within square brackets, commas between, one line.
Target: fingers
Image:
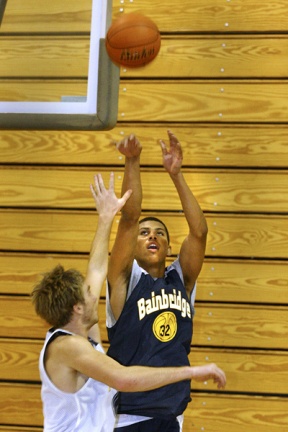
[(98, 185), (219, 376), (103, 196), (172, 138), (93, 191), (111, 181), (163, 147), (210, 372), (125, 197), (127, 141)]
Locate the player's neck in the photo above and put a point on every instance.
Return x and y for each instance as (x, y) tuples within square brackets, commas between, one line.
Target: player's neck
[(76, 328), (156, 270)]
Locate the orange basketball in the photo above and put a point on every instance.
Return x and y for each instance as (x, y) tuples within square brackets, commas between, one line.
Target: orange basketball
[(133, 40)]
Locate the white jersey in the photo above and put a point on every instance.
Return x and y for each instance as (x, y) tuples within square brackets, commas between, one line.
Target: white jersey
[(87, 410)]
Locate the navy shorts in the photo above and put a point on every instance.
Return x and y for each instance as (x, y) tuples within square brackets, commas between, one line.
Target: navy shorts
[(153, 425)]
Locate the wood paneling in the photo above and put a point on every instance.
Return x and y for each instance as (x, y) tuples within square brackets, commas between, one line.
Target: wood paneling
[(212, 15), (218, 101), (219, 413), (246, 370), (253, 236), (216, 190), (241, 281), (18, 319), (237, 281), (220, 83), (185, 16), (196, 101), (218, 56), (182, 56), (20, 429), (19, 359), (239, 326), (57, 57), (40, 16), (40, 91), (203, 145), (20, 272), (215, 325), (20, 404)]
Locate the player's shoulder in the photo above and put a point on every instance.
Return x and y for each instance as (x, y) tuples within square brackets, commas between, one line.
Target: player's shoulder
[(70, 344), (175, 265)]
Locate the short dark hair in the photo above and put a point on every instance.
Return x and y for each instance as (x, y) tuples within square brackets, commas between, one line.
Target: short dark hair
[(152, 218), (56, 294)]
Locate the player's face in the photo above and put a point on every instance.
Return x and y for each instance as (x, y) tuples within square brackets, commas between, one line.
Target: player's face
[(152, 242), (90, 316)]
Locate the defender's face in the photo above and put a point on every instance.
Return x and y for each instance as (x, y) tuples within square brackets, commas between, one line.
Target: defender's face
[(152, 242)]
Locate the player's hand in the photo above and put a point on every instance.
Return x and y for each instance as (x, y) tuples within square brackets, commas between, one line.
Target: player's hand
[(172, 156), (129, 146), (209, 372), (107, 203)]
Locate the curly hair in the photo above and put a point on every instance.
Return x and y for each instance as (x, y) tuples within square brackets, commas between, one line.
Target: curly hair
[(56, 294)]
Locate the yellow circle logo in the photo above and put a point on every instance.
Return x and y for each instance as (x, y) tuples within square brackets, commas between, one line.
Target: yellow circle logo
[(165, 326)]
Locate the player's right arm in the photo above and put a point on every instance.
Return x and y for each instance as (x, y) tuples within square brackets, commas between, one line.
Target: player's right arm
[(77, 354), (123, 251)]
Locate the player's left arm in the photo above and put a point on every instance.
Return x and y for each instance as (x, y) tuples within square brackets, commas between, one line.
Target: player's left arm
[(192, 251), (107, 205)]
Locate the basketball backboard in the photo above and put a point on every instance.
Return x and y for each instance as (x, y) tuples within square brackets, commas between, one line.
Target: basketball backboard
[(34, 98), (2, 9)]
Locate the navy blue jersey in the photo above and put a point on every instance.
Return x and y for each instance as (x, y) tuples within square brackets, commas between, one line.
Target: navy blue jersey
[(154, 329)]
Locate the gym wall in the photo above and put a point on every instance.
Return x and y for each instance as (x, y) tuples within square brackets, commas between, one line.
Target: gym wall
[(220, 84)]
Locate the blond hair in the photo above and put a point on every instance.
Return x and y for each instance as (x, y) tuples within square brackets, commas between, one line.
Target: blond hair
[(56, 294)]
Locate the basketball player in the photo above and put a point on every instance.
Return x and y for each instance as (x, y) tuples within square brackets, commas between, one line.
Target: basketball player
[(76, 375), (150, 308)]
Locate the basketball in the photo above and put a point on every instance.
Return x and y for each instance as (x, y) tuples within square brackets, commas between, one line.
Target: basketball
[(133, 40)]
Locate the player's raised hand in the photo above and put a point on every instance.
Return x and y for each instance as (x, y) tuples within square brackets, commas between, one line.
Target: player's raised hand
[(209, 372), (129, 146), (172, 155), (107, 203)]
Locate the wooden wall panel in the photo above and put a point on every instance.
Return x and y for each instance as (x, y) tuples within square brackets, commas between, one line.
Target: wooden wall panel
[(20, 404), (20, 428), (217, 101), (35, 91), (220, 280), (209, 411), (186, 16), (19, 359), (41, 16), (229, 235), (212, 15), (20, 272), (40, 56), (196, 101), (222, 56), (179, 57), (203, 145), (220, 83), (18, 319), (246, 370), (217, 190), (218, 413), (215, 325)]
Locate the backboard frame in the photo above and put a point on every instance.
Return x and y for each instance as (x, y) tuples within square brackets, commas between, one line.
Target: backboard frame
[(97, 111)]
